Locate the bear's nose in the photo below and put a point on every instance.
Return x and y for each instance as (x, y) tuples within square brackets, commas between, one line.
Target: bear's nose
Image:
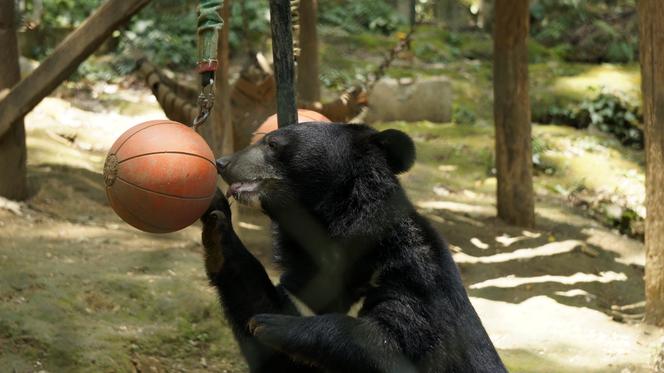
[(222, 163)]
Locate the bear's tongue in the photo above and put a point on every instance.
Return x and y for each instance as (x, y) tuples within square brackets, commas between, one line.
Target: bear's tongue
[(244, 187)]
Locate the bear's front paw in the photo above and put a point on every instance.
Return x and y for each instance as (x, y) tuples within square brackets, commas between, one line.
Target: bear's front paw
[(216, 227), (219, 203), (274, 330)]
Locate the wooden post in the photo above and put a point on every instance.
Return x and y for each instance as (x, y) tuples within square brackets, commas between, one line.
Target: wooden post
[(284, 64), (651, 14), (413, 13), (64, 60), (308, 76), (515, 196), (13, 154), (223, 87)]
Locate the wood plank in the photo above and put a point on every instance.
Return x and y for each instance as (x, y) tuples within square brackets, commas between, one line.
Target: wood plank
[(66, 57)]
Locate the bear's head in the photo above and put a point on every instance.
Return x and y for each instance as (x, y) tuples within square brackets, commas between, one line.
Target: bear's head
[(320, 167)]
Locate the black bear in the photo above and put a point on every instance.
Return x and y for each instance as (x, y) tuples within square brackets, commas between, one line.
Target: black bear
[(347, 238)]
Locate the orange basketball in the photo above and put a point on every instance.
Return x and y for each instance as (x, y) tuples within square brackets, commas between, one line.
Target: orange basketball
[(160, 176), (271, 124)]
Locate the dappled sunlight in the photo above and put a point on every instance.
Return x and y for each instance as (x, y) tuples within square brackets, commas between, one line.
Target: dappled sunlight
[(591, 338), (456, 207), (613, 78), (514, 281), (45, 150), (553, 248)]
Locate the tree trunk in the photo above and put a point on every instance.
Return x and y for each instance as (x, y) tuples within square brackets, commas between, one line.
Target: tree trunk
[(512, 114), (403, 8), (651, 15), (308, 80), (485, 15), (66, 57), (13, 154), (413, 13)]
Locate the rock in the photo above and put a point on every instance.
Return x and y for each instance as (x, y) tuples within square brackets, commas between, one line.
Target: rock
[(422, 99)]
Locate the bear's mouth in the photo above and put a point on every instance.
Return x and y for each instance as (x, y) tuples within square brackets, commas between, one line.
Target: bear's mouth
[(244, 191)]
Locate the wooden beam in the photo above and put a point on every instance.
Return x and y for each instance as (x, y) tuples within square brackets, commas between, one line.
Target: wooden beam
[(284, 64), (66, 57)]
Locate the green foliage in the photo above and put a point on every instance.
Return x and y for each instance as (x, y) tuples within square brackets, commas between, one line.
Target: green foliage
[(166, 31), (66, 13), (462, 114), (540, 145), (608, 112), (358, 16), (587, 30), (166, 36), (250, 25)]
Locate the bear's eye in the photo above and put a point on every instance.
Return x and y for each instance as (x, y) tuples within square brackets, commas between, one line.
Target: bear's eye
[(273, 143)]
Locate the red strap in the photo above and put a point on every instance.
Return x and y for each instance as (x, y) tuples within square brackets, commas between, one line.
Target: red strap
[(207, 66)]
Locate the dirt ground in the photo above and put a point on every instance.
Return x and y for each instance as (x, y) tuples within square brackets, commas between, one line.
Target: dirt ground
[(80, 291)]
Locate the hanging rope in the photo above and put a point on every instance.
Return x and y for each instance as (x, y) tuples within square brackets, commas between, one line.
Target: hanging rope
[(295, 16), (379, 73), (209, 25)]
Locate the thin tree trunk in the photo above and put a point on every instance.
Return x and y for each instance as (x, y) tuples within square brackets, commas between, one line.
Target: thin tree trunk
[(13, 154), (308, 82), (66, 57), (512, 114), (403, 8), (413, 13), (651, 15)]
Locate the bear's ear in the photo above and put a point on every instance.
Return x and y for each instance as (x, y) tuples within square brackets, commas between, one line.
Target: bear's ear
[(398, 148)]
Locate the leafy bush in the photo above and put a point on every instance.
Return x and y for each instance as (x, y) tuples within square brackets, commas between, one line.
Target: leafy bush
[(608, 112), (166, 31), (167, 37), (358, 16), (587, 30), (540, 145), (66, 13)]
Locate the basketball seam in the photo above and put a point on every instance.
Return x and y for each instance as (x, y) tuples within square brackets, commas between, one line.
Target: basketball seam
[(141, 130), (168, 152), (141, 220), (161, 193)]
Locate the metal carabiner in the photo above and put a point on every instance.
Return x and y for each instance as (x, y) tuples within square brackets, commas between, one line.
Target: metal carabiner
[(205, 104)]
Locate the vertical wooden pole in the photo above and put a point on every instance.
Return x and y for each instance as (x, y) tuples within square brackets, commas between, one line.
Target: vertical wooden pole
[(284, 64), (219, 130), (515, 194), (651, 13), (308, 77), (13, 153), (413, 13)]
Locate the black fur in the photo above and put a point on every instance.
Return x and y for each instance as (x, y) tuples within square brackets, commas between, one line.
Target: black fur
[(343, 230)]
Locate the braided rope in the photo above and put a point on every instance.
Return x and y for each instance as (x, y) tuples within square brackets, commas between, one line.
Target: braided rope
[(295, 14)]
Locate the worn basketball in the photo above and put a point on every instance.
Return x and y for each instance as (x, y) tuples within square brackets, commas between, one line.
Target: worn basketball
[(160, 176), (271, 123)]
